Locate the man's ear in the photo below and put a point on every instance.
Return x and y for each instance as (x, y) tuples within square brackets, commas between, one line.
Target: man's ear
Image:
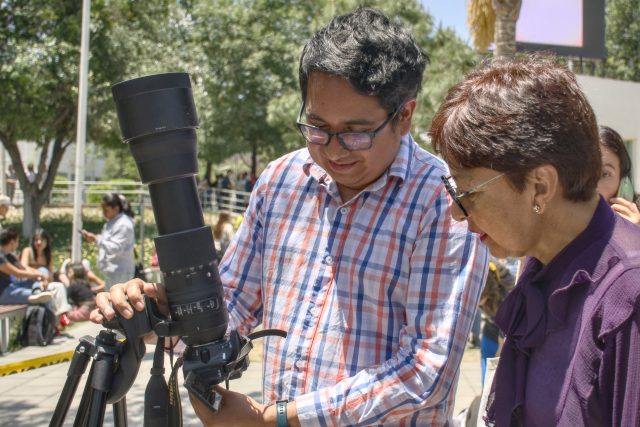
[(546, 186), (405, 116)]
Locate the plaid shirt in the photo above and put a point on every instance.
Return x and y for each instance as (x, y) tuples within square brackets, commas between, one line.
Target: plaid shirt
[(377, 294)]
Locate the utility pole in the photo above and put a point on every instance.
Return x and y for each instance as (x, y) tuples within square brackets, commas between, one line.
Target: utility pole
[(81, 134)]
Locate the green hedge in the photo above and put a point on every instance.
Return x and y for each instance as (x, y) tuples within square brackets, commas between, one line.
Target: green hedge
[(96, 192)]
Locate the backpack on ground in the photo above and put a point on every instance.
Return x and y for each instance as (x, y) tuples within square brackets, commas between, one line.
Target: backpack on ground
[(38, 326)]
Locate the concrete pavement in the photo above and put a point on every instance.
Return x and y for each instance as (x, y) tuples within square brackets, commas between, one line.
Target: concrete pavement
[(29, 398)]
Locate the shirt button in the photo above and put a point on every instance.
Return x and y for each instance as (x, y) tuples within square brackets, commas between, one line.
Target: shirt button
[(328, 260), (344, 211), (299, 364)]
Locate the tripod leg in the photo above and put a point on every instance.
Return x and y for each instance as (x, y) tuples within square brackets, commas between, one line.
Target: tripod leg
[(76, 369), (120, 413), (98, 405), (83, 408)]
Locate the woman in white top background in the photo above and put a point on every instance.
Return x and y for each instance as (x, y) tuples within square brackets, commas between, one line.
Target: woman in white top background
[(116, 257)]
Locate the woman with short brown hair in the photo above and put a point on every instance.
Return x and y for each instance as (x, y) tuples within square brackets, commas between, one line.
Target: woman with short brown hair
[(522, 144)]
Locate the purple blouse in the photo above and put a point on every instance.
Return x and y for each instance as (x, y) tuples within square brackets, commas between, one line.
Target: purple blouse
[(571, 356)]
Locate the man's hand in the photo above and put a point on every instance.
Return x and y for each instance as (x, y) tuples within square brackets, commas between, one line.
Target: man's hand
[(626, 209), (125, 297), (239, 410), (236, 410)]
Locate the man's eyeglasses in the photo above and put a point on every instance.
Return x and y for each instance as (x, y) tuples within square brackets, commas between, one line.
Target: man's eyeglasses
[(447, 181), (352, 141)]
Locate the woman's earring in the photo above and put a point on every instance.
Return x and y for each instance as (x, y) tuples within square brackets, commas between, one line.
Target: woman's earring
[(536, 209)]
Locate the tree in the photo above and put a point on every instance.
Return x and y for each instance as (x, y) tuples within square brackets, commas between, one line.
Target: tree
[(494, 21), (39, 52), (623, 39), (250, 50)]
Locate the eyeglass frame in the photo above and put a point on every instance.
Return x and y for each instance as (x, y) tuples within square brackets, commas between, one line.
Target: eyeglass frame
[(372, 134), (456, 197)]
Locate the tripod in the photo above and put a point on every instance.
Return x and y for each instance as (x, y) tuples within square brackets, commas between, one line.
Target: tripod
[(105, 351)]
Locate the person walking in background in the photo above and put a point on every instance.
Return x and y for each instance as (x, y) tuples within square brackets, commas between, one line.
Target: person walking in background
[(12, 180), (39, 253), (511, 132), (223, 232), (5, 204), (615, 184), (31, 173), (349, 246), (116, 241)]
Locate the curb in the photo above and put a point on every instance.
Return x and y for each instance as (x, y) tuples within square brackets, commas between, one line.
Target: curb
[(38, 362)]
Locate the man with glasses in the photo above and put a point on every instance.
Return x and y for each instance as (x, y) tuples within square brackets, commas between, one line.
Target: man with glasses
[(348, 245)]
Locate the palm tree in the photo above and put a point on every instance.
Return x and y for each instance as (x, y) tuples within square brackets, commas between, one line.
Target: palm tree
[(494, 20)]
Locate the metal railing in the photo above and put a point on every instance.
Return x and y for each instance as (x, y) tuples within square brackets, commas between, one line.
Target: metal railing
[(211, 199)]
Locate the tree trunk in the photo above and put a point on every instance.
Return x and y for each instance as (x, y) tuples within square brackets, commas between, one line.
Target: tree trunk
[(254, 160), (207, 171), (35, 194), (31, 213), (507, 13)]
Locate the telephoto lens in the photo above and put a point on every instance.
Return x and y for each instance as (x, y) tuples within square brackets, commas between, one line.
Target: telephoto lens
[(158, 120)]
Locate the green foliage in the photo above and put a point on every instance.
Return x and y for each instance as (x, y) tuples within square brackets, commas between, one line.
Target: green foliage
[(39, 57), (119, 163), (97, 191), (623, 39), (242, 56), (250, 50)]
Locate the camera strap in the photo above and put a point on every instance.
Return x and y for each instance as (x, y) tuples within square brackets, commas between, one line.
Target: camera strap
[(175, 405), (248, 346), (162, 406)]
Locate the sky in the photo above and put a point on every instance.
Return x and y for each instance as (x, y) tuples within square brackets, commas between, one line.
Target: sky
[(449, 13)]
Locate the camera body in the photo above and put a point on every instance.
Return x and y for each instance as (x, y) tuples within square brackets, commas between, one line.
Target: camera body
[(210, 364)]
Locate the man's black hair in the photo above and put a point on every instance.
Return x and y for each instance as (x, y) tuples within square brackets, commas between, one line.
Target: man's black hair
[(378, 57), (7, 236)]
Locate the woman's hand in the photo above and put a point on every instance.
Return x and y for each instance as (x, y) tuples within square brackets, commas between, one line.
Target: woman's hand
[(626, 209), (88, 236), (125, 297)]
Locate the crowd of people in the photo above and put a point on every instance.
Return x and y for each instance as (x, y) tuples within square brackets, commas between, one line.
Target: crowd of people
[(374, 254)]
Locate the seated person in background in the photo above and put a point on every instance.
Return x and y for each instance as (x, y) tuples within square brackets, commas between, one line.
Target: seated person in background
[(29, 291), (38, 254), (79, 292), (97, 284)]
